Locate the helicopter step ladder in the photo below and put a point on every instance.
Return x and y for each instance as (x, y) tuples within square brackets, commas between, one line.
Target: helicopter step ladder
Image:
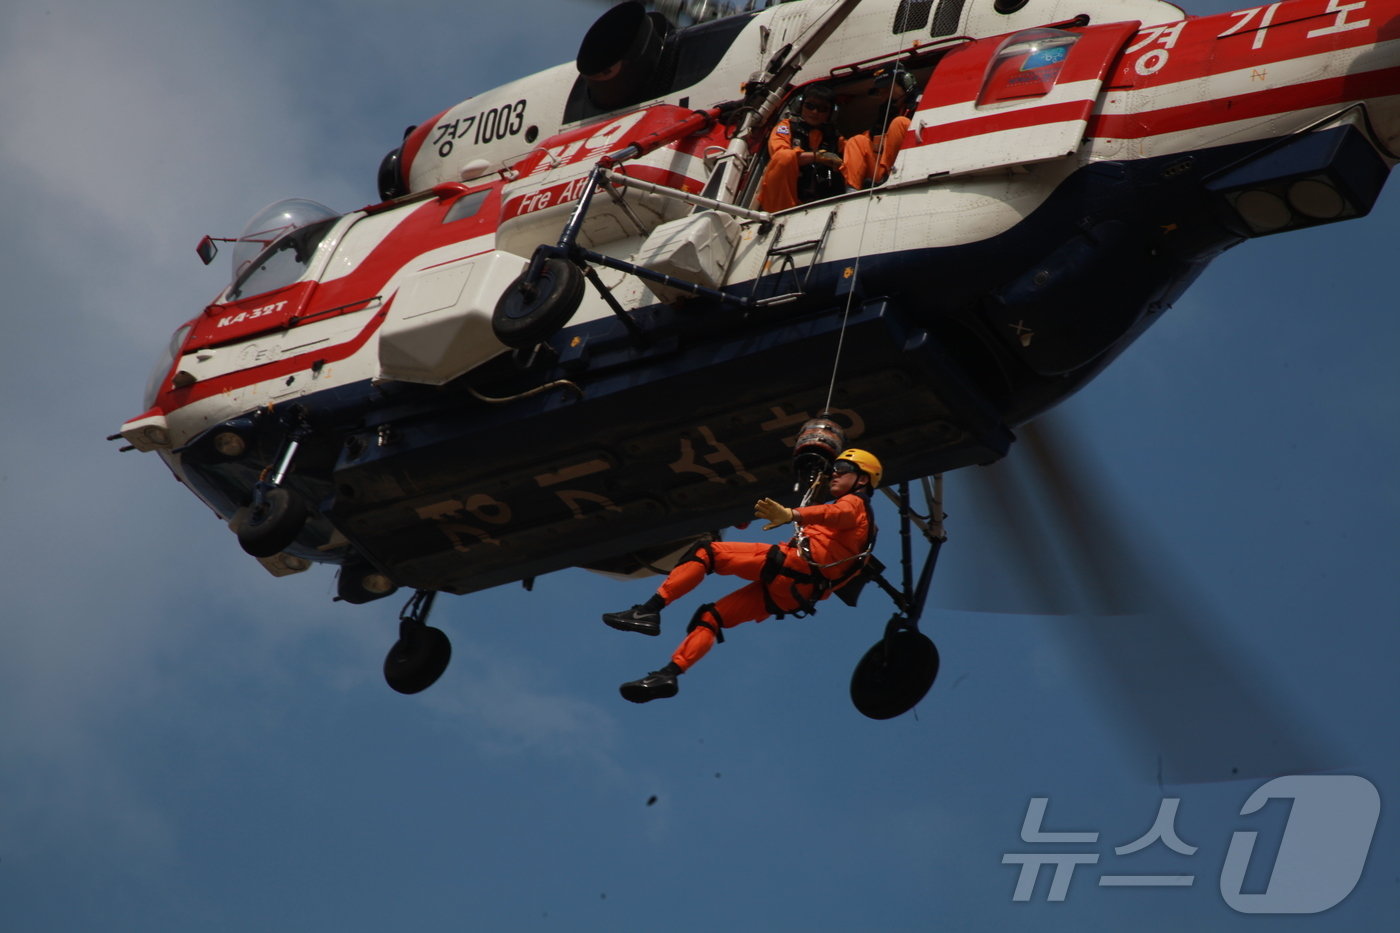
[(781, 259)]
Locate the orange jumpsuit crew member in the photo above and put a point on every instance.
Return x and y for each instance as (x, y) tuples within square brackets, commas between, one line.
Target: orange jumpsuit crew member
[(804, 161), (870, 155), (785, 577)]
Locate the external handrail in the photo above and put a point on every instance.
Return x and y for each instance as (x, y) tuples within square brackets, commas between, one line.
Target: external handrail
[(688, 198)]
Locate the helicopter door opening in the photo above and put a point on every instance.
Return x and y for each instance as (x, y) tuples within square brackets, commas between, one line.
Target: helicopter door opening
[(1017, 99), (863, 105)]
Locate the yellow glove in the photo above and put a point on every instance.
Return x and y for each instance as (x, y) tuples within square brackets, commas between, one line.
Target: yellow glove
[(830, 160), (772, 512)]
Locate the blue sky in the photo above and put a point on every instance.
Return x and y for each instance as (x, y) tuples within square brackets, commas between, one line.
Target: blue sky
[(186, 742)]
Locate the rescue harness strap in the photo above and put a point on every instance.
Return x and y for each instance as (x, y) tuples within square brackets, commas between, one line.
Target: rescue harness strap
[(700, 554), (815, 181), (775, 565), (715, 623), (800, 134)]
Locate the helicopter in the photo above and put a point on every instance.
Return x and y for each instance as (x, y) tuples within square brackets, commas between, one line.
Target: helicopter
[(508, 364)]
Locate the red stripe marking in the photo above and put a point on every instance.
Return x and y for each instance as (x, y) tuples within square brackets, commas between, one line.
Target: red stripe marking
[(1067, 112), (552, 196), (1345, 89), (413, 144), (1202, 51), (418, 233), (173, 399)]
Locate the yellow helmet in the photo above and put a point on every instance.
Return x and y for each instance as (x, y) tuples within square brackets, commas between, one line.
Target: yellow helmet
[(864, 461)]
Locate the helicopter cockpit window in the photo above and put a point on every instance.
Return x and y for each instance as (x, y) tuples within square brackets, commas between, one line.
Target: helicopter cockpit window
[(1027, 65), (277, 244), (167, 360)]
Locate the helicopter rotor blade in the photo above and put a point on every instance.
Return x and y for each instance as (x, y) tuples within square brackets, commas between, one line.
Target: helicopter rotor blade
[(1004, 538), (1192, 707)]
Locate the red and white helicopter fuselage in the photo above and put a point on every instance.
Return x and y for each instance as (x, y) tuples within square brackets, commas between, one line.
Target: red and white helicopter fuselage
[(1065, 176)]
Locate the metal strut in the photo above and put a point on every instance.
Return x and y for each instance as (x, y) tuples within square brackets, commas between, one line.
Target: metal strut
[(642, 272), (567, 248), (415, 612), (602, 177), (632, 326), (694, 200), (909, 599), (273, 477)]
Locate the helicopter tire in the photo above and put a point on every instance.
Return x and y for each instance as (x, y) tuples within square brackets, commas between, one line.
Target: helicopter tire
[(417, 659), (894, 675), (524, 316), (271, 526)]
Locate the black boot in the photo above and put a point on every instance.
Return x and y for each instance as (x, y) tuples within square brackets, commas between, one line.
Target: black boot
[(658, 685), (637, 619)]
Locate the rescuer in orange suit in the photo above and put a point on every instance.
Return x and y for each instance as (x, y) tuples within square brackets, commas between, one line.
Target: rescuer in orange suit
[(804, 155), (868, 156), (826, 552)]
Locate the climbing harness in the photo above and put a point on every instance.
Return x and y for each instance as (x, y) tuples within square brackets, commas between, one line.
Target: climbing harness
[(818, 180), (816, 581)]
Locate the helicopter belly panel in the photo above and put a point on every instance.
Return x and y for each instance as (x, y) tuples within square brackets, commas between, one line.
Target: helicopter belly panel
[(212, 364), (586, 477)]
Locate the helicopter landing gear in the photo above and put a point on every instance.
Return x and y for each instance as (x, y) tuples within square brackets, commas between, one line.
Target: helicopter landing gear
[(273, 521), (895, 673), (422, 653), (276, 515), (898, 670), (534, 307)]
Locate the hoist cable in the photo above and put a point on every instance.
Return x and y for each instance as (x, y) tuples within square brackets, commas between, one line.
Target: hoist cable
[(860, 249)]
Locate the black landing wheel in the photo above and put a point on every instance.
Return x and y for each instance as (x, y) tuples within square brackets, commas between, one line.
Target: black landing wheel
[(417, 659), (271, 525), (530, 312), (894, 675)]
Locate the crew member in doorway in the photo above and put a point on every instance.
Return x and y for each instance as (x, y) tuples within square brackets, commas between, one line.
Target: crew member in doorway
[(827, 551), (870, 154), (804, 155)]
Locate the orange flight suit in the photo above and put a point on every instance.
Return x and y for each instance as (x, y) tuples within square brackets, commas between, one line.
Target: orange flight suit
[(778, 190), (836, 533), (868, 160)]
